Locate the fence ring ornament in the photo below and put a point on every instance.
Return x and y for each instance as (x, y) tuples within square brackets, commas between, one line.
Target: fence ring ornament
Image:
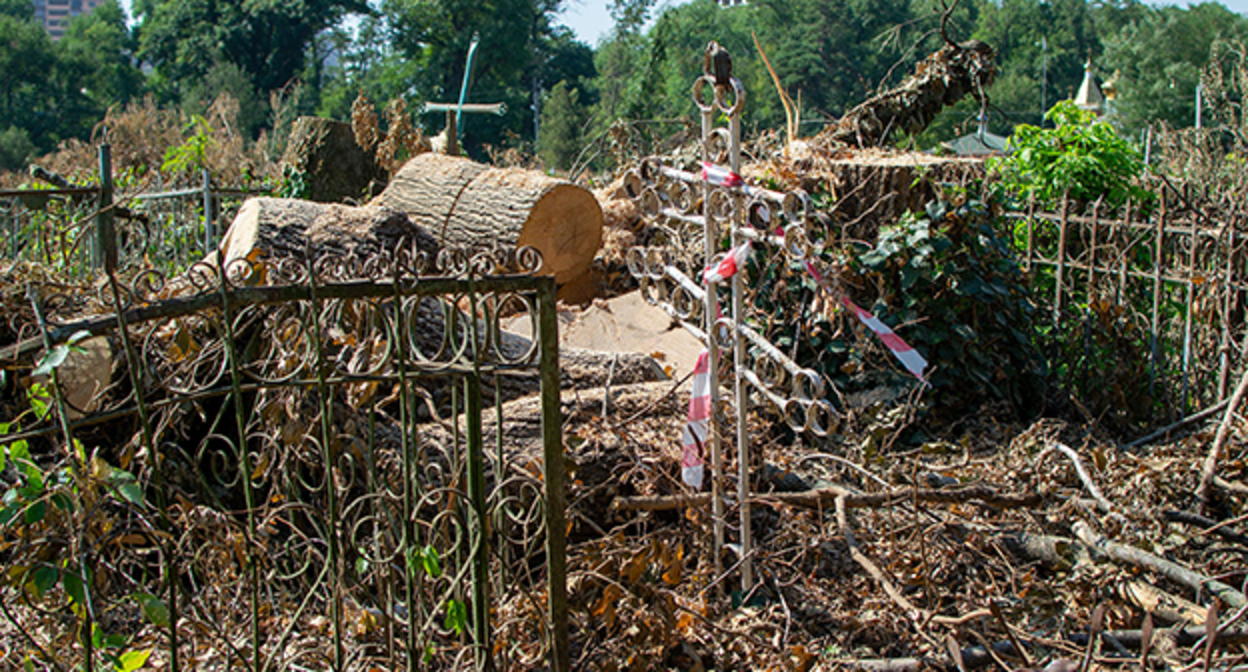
[(649, 202), (720, 204), (648, 291), (796, 244), (636, 261), (632, 184), (202, 276), (651, 171), (681, 197), (683, 303), (657, 261), (699, 93), (451, 262), (147, 285), (718, 144), (758, 215), (528, 259), (807, 386), (771, 373), (819, 417), (796, 206), (795, 415), (738, 98), (724, 333)]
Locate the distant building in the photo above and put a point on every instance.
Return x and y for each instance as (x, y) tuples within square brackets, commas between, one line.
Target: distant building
[(1090, 97), (55, 15), (979, 143)]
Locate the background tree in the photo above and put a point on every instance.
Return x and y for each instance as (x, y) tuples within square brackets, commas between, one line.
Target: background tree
[(266, 40), (562, 119), (1160, 56), (27, 105)]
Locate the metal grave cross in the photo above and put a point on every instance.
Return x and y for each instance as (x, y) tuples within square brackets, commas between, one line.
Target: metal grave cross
[(454, 111)]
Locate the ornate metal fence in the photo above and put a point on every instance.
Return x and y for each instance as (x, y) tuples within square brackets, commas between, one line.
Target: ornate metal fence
[(1147, 304), (77, 229), (290, 466), (694, 212)]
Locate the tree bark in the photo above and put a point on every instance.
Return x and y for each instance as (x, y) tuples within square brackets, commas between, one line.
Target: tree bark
[(462, 203), (283, 227), (333, 167)]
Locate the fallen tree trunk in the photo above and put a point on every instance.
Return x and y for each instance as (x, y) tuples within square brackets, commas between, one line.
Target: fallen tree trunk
[(939, 81), (291, 228), (462, 203), (334, 167)]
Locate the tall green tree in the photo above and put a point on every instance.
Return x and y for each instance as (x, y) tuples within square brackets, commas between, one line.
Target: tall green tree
[(562, 120), (27, 103), (268, 40), (1160, 56), (519, 43), (96, 57)]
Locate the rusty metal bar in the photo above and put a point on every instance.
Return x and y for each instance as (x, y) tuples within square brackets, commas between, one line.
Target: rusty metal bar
[(1194, 243), (1061, 261), (554, 477), (1228, 294), (1154, 364)]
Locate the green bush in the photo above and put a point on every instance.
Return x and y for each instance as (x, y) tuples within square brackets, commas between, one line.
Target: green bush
[(952, 279), (1080, 156)]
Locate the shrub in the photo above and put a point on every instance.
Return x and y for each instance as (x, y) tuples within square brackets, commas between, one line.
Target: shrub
[(1080, 156)]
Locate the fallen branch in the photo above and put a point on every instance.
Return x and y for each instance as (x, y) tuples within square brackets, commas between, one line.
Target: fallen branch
[(1171, 608), (828, 495), (1230, 486), (1170, 570), (1103, 504), (1132, 639), (1211, 461), (1207, 525), (972, 657), (1179, 424), (1058, 552)]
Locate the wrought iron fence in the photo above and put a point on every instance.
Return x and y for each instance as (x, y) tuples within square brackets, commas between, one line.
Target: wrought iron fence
[(1146, 305), (692, 213), (77, 229), (289, 466)]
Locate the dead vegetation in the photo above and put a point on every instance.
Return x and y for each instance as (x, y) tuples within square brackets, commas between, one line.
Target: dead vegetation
[(1009, 544)]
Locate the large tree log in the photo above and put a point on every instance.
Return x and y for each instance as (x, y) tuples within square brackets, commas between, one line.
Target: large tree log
[(283, 227), (464, 203)]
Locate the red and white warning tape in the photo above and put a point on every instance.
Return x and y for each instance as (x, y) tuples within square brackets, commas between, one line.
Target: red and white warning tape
[(908, 356), (729, 265), (692, 464), (720, 176)]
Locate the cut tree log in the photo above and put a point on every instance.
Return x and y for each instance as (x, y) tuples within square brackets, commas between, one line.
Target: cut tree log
[(462, 203), (284, 227)]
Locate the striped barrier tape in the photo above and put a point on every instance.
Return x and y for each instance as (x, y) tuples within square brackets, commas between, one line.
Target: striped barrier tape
[(692, 464), (728, 266), (908, 356)]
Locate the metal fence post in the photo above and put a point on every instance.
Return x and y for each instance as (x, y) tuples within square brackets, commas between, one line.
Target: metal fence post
[(553, 466), (208, 238), (105, 248)]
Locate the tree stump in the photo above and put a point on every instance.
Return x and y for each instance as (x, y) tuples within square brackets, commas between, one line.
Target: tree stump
[(333, 167)]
